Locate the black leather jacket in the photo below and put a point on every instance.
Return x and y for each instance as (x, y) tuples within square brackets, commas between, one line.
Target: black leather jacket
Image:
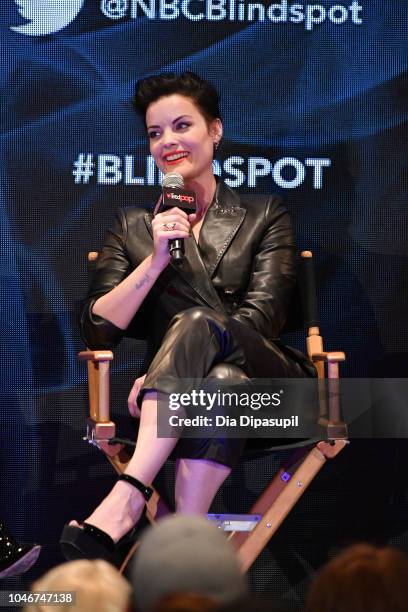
[(244, 265)]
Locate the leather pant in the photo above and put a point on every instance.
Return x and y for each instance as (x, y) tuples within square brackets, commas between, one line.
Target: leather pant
[(201, 342)]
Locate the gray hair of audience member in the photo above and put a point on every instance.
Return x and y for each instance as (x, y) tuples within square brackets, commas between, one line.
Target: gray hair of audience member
[(186, 554), (97, 586)]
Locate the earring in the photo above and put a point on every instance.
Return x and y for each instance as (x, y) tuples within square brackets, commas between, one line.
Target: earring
[(216, 144)]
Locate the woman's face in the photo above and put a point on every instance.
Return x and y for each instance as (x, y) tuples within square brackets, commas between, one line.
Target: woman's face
[(180, 138)]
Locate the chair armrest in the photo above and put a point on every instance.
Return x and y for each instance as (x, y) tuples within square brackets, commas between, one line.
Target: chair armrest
[(95, 356), (329, 357), (332, 359), (336, 428), (98, 383)]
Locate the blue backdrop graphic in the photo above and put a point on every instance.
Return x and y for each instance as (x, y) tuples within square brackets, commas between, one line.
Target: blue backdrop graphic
[(314, 102)]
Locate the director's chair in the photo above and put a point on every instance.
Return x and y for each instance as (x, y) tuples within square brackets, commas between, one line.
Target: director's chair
[(249, 533)]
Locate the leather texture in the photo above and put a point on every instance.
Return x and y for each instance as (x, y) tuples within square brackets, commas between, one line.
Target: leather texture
[(201, 343), (223, 307), (243, 266)]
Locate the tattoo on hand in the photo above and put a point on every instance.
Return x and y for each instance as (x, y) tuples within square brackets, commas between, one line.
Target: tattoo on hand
[(142, 282)]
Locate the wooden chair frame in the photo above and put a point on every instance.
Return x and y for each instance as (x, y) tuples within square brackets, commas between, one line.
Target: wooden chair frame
[(288, 484)]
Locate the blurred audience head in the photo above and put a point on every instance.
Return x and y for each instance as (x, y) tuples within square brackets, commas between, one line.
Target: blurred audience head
[(190, 602), (185, 602), (255, 604), (97, 586), (363, 578), (186, 554)]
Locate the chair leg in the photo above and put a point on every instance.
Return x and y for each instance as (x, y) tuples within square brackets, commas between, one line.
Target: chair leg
[(272, 491), (119, 461), (284, 496)]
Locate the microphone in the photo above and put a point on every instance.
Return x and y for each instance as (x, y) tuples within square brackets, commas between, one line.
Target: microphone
[(175, 195), (173, 179)]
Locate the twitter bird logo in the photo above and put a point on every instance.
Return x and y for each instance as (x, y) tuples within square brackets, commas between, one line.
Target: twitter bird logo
[(46, 16)]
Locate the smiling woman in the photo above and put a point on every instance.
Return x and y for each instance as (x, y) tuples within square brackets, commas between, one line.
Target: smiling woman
[(180, 135), (220, 311), (184, 128)]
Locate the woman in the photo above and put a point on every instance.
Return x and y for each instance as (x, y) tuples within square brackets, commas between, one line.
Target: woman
[(229, 296)]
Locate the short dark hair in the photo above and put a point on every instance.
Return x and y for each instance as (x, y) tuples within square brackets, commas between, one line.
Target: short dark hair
[(188, 84)]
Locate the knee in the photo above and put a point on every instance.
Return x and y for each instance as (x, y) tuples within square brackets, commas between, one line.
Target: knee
[(227, 371), (200, 316)]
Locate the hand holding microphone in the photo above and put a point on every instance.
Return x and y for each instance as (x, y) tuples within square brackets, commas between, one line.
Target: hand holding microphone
[(172, 225), (169, 225)]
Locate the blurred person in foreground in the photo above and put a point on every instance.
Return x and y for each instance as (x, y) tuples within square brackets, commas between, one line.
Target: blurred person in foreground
[(97, 586), (186, 554), (185, 602), (362, 578), (190, 602)]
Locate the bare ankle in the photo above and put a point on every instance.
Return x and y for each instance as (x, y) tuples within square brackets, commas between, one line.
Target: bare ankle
[(130, 496)]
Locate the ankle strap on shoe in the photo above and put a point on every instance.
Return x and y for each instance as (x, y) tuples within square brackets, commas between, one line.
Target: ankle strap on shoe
[(146, 491)]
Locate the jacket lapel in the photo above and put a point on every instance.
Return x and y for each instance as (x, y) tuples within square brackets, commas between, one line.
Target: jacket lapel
[(192, 271), (221, 223)]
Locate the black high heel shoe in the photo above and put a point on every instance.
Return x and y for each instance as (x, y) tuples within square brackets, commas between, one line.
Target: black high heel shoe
[(90, 542), (15, 559)]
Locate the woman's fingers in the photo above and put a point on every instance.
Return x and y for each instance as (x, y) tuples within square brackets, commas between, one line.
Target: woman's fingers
[(171, 223), (168, 225), (173, 211), (169, 233), (132, 399), (173, 215)]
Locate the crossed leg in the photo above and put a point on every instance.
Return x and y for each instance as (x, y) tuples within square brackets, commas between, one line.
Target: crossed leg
[(181, 355), (197, 480)]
